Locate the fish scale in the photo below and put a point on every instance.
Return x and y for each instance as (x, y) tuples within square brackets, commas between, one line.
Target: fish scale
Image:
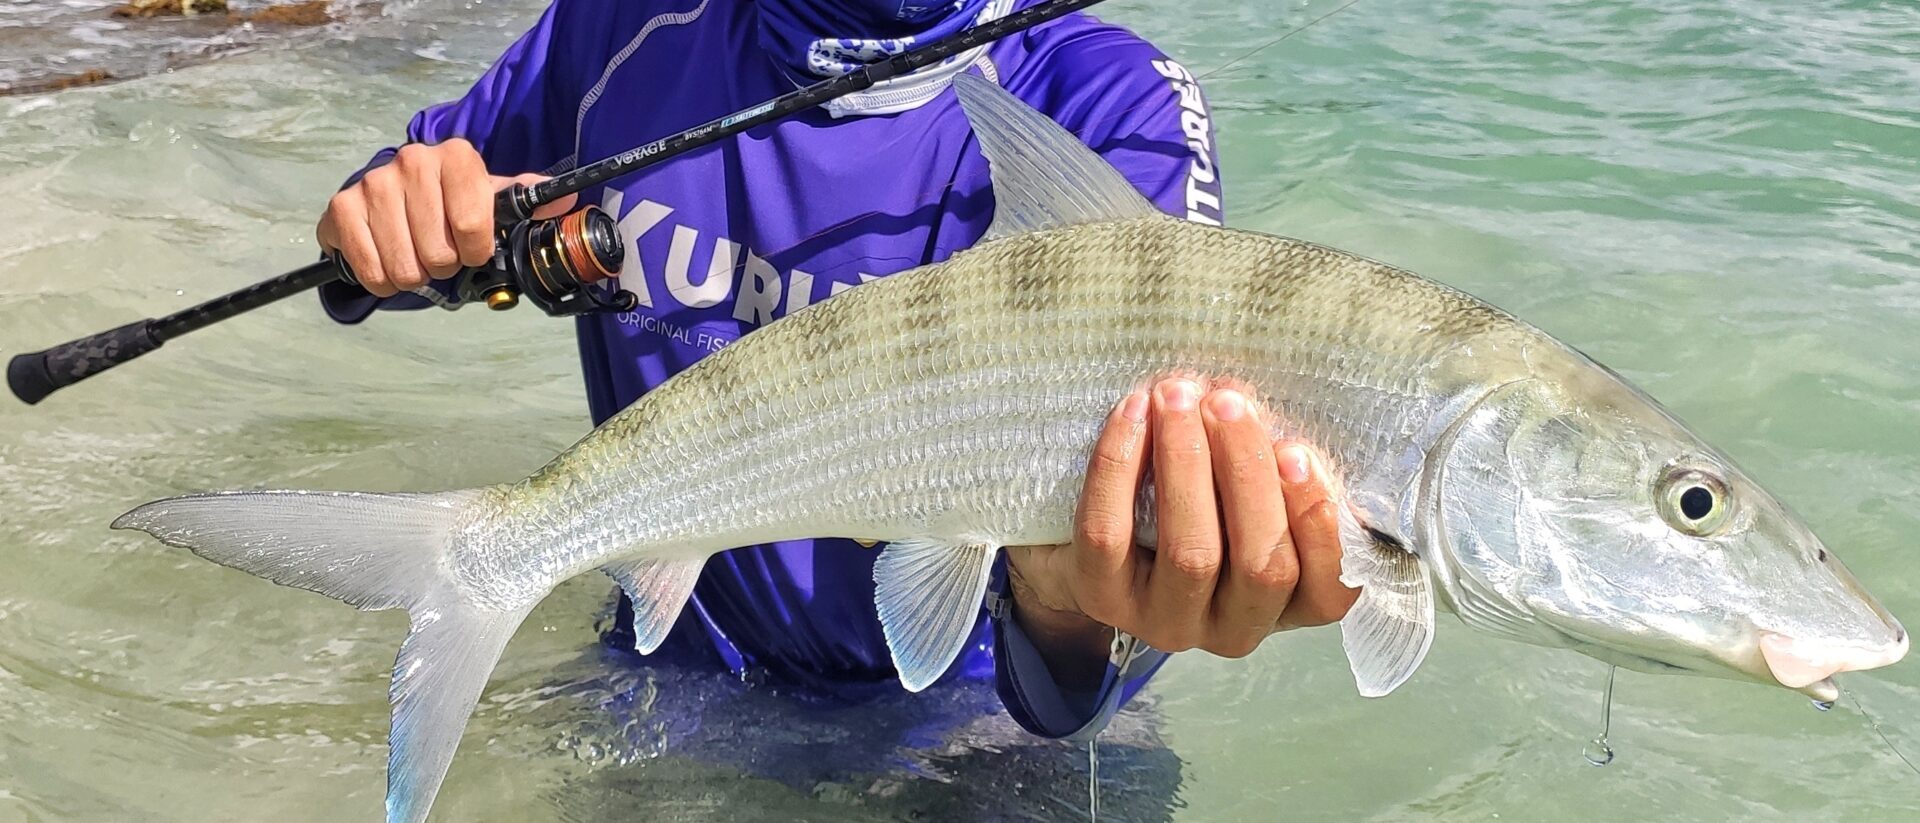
[(1481, 466), (976, 408)]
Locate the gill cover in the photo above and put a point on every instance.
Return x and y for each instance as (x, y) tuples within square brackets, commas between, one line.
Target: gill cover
[(1477, 494), (1390, 629), (1544, 509)]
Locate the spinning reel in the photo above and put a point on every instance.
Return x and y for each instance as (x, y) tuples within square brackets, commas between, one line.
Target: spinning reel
[(551, 263)]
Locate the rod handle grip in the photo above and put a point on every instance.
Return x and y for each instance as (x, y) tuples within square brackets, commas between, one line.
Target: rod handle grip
[(35, 375)]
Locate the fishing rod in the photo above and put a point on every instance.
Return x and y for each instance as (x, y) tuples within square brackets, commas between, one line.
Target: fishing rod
[(541, 260)]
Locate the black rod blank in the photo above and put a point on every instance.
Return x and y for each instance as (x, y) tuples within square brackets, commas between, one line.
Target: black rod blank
[(35, 375)]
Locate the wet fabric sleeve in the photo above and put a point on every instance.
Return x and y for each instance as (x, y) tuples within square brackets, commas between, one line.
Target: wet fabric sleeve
[(1035, 700), (1145, 114), (517, 115)]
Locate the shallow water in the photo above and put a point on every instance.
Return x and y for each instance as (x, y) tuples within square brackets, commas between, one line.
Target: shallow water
[(45, 43), (1717, 198)]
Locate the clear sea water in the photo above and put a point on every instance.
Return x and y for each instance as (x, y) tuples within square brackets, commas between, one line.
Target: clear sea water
[(1721, 199)]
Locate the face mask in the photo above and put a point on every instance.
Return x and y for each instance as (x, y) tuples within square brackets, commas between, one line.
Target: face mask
[(813, 39)]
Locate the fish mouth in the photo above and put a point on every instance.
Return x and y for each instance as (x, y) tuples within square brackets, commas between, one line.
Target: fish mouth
[(1808, 667)]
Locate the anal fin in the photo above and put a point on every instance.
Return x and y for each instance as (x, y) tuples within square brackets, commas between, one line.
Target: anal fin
[(658, 589), (929, 595)]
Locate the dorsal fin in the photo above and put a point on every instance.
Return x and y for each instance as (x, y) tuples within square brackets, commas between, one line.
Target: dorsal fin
[(1043, 176)]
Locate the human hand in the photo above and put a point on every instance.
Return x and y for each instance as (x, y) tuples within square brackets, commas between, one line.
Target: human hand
[(1248, 534), (426, 214)]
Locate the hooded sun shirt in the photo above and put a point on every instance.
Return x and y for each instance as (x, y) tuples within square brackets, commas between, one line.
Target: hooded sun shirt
[(726, 239)]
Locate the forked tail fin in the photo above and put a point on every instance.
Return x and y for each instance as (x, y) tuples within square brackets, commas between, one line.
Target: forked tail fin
[(374, 551)]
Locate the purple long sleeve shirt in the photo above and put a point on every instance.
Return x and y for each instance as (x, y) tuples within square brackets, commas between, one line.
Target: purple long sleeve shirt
[(726, 239)]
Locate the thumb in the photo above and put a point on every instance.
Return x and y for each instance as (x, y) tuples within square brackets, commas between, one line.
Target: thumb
[(553, 209)]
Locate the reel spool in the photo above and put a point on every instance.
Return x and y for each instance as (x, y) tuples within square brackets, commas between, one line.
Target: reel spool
[(548, 262)]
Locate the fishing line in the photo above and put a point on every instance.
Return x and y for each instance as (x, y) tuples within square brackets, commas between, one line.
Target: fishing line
[(1276, 41), (1599, 750), (1875, 726), (942, 190)]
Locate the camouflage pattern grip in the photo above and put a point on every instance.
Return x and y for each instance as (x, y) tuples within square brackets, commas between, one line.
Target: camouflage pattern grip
[(35, 375)]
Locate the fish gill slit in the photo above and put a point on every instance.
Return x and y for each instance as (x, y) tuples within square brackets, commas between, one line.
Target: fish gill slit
[(1384, 539)]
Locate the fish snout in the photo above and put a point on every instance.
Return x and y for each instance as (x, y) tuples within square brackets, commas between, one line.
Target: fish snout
[(1807, 666), (1859, 592), (1862, 635)]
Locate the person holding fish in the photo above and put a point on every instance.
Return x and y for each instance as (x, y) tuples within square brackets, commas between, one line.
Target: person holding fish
[(726, 239), (975, 411)]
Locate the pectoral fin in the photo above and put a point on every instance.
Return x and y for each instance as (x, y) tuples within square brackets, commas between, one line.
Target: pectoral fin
[(1388, 631), (658, 589), (929, 595)]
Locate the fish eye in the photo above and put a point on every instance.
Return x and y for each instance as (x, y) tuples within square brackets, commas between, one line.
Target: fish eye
[(1693, 500), (1696, 503)]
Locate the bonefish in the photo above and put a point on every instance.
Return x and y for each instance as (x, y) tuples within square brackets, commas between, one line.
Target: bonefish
[(1489, 470)]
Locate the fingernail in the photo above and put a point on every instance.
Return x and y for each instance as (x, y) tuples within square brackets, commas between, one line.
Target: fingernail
[(1179, 395), (1133, 407), (1293, 464), (1228, 405)]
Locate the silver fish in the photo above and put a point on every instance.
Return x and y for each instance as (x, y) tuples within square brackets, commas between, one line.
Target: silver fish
[(1488, 469)]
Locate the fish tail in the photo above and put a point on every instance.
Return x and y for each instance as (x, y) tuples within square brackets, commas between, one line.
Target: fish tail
[(373, 551)]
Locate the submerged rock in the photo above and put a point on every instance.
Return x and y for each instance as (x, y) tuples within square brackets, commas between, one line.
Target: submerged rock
[(59, 82), (163, 37), (305, 13), (156, 8)]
